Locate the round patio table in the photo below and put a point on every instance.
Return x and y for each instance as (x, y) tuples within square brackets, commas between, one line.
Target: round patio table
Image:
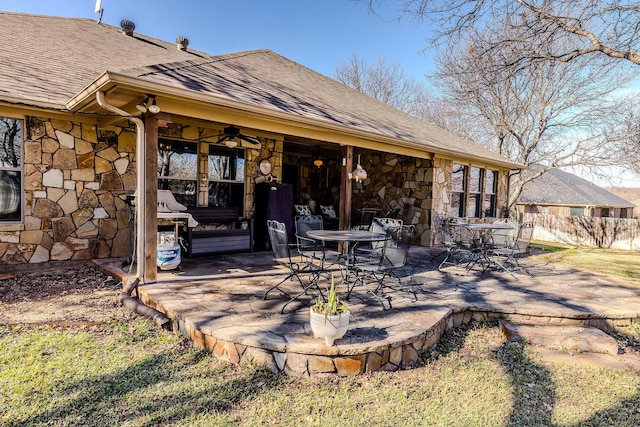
[(347, 237)]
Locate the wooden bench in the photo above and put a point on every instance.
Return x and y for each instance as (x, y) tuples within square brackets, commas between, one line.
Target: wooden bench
[(230, 237)]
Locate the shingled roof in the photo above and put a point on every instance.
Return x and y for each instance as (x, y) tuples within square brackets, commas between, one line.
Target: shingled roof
[(557, 187), (54, 59)]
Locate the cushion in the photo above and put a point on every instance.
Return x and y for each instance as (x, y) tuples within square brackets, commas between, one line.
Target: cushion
[(302, 209), (328, 211)]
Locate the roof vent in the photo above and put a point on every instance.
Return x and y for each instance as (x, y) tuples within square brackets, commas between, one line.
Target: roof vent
[(182, 43), (127, 27)]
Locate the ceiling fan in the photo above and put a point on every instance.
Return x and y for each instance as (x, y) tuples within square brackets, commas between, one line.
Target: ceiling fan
[(231, 135)]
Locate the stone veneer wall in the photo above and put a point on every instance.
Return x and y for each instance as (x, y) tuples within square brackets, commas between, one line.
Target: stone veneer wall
[(76, 178), (396, 181)]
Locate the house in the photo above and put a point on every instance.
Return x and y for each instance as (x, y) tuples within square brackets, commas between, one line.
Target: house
[(92, 115), (557, 192)]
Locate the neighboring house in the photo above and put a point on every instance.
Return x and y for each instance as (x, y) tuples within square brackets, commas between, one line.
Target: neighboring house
[(79, 114), (557, 192)]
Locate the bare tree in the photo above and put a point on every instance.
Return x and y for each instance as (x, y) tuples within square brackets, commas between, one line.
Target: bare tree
[(607, 28), (384, 81), (541, 113)]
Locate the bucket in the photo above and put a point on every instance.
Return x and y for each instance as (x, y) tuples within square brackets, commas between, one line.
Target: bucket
[(168, 253)]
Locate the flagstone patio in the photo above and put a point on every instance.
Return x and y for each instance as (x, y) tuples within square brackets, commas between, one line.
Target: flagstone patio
[(217, 302)]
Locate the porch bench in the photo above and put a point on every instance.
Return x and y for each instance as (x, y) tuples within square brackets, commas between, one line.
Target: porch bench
[(231, 238)]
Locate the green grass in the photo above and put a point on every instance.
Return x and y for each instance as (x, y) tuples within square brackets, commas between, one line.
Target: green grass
[(139, 375), (614, 262)]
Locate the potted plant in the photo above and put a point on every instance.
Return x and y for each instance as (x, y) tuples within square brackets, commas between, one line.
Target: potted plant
[(329, 320)]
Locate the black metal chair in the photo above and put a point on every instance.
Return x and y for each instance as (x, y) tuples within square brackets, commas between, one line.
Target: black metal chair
[(383, 263), (392, 213), (298, 267), (507, 258), (364, 218), (313, 250)]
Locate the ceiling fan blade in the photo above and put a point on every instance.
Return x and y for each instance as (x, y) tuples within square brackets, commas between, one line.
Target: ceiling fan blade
[(224, 138), (249, 139)]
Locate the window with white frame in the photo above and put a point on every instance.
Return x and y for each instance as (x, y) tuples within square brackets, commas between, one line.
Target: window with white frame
[(11, 164)]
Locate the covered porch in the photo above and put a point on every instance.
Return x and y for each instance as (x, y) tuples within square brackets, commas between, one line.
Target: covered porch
[(217, 302)]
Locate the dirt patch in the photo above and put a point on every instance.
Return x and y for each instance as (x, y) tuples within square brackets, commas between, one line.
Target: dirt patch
[(63, 294)]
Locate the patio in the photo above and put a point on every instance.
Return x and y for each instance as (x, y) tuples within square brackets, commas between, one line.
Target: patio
[(217, 302)]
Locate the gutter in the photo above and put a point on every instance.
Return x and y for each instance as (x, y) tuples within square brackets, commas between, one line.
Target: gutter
[(127, 289), (140, 182)]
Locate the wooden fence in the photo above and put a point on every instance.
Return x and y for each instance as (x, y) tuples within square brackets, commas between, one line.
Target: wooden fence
[(616, 233)]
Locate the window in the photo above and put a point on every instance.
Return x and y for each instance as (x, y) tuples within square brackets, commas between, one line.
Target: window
[(576, 211), (11, 182), (226, 177), (458, 189), (475, 192), (544, 209), (178, 170), (490, 191), (623, 212), (605, 212)]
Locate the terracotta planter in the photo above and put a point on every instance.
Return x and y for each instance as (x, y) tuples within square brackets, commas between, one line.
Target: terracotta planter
[(330, 328)]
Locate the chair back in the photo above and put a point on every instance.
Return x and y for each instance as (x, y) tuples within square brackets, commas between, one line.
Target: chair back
[(365, 217), (504, 238), (525, 231), (396, 248), (444, 230), (381, 225), (304, 224), (279, 239), (392, 213)]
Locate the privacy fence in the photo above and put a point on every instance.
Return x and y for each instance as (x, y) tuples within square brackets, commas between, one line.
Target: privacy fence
[(617, 233)]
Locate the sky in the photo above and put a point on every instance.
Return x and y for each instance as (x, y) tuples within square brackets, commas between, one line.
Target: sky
[(319, 34)]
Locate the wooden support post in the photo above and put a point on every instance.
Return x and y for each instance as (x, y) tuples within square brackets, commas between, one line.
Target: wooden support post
[(345, 187), (150, 197)]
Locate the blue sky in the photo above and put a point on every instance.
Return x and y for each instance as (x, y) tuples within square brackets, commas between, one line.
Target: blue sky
[(319, 34)]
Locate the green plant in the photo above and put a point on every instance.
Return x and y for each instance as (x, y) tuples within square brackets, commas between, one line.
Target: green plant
[(333, 306)]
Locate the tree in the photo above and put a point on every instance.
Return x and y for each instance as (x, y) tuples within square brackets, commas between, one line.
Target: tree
[(547, 114), (384, 81), (606, 28)]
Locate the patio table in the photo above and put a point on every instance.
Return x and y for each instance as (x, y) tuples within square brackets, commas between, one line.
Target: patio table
[(349, 239), (481, 245)]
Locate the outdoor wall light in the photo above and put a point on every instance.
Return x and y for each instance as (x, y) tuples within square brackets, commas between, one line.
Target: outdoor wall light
[(144, 105)]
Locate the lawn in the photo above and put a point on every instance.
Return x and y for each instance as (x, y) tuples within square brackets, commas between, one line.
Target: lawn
[(614, 262), (132, 373), (139, 375)]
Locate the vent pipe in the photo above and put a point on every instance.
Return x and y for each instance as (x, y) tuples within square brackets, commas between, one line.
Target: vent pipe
[(127, 27), (182, 43)]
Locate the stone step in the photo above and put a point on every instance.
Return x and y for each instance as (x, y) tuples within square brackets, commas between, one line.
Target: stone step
[(572, 338)]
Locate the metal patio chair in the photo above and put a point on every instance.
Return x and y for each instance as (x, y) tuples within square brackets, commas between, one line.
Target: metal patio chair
[(299, 267), (313, 250), (383, 263), (507, 258)]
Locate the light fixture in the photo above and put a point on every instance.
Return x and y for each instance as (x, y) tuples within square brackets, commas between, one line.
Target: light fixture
[(358, 174), (317, 159), (231, 143), (144, 105)]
